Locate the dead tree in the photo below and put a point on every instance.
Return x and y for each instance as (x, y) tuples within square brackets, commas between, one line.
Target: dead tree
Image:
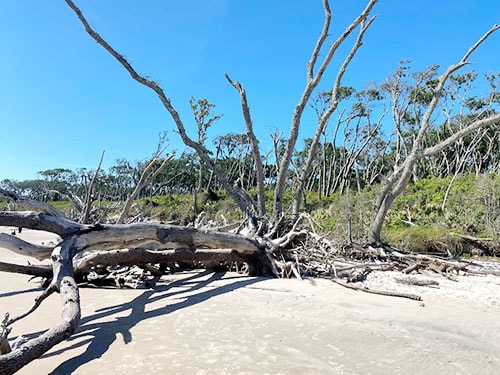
[(400, 177), (334, 101), (89, 196), (153, 85), (315, 71), (148, 174), (83, 246)]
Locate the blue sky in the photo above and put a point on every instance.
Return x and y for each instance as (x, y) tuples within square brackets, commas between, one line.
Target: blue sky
[(63, 99)]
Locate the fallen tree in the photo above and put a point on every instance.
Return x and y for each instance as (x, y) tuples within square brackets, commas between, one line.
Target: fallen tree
[(84, 246), (126, 255)]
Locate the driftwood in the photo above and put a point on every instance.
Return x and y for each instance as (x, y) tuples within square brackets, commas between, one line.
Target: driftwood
[(63, 282), (416, 282), (380, 292), (136, 254), (83, 247)]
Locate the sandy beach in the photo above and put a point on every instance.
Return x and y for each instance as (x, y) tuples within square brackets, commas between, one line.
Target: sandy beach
[(222, 323)]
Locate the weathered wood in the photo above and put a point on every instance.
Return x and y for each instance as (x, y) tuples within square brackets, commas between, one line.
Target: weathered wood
[(380, 292), (139, 243), (416, 282), (22, 247), (5, 330), (29, 204), (150, 236), (39, 271), (144, 256), (65, 284), (40, 221)]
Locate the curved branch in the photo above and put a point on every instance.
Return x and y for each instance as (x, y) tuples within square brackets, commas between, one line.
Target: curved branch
[(29, 204), (63, 282), (202, 152), (254, 142), (22, 247), (429, 151), (40, 221)]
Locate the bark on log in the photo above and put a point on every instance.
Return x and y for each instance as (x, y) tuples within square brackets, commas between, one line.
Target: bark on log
[(40, 221), (151, 236)]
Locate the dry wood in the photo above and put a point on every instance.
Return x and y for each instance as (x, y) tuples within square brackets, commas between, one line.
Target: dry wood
[(4, 342), (39, 271), (396, 183), (416, 282), (89, 197), (153, 85), (29, 204), (139, 243), (381, 292), (22, 247), (254, 143), (65, 284)]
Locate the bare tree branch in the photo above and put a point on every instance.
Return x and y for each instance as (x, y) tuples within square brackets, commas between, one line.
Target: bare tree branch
[(202, 152), (29, 204), (325, 117), (255, 145), (90, 192), (398, 180), (20, 246), (147, 176), (461, 134), (312, 82)]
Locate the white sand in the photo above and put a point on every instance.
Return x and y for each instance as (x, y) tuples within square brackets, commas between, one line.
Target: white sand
[(205, 323)]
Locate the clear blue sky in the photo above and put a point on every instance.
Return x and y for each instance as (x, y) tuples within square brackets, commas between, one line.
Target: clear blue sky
[(63, 99)]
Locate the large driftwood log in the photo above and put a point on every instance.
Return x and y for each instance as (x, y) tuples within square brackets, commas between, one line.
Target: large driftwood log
[(84, 246), (187, 242)]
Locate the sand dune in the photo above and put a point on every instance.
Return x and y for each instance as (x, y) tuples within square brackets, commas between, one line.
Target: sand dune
[(205, 323)]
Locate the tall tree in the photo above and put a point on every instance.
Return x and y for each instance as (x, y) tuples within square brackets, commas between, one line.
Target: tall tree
[(316, 68), (403, 170)]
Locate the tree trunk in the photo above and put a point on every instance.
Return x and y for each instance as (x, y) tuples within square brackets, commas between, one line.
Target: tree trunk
[(139, 243), (64, 283), (313, 79), (259, 168), (397, 182), (299, 192)]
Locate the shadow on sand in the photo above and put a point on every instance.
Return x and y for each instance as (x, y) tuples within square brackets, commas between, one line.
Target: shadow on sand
[(101, 335)]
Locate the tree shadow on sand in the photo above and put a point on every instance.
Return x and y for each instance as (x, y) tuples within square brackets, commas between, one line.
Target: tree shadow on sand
[(101, 335)]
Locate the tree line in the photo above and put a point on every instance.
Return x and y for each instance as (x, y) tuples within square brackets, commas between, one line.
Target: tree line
[(355, 150)]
